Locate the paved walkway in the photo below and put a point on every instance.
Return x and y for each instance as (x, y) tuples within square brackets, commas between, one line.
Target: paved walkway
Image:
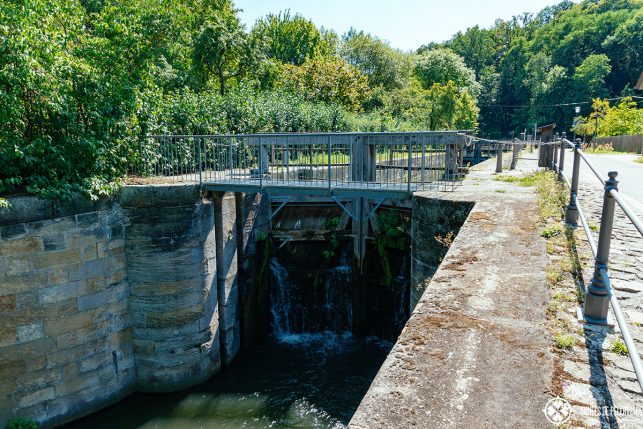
[(608, 378), (475, 352)]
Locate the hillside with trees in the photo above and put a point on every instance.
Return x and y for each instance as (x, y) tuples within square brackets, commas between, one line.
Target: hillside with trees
[(82, 81), (535, 68)]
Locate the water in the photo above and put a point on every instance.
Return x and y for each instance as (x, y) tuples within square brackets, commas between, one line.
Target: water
[(305, 301), (310, 373), (314, 380)]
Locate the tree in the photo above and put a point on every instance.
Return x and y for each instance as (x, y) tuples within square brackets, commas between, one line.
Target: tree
[(512, 90), (622, 119), (546, 84), (291, 39), (451, 108), (328, 79), (624, 48), (589, 77), (383, 65), (476, 47), (440, 107), (221, 48), (444, 65)]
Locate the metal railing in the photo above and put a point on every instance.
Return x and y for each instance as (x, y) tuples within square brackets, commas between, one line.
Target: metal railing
[(403, 162), (599, 294), (496, 148)]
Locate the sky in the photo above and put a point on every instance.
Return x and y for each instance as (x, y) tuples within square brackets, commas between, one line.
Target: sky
[(405, 24)]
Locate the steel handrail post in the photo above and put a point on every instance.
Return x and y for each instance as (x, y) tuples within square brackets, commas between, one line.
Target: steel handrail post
[(329, 167), (571, 213), (597, 298), (561, 161), (199, 140)]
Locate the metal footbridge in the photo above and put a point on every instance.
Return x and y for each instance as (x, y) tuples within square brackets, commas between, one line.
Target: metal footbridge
[(324, 164)]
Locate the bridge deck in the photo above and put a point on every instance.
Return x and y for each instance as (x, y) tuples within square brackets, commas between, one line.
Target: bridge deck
[(320, 187)]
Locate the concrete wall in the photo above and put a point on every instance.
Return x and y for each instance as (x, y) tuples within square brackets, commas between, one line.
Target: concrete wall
[(432, 218), (65, 332), (227, 268), (98, 300), (253, 226)]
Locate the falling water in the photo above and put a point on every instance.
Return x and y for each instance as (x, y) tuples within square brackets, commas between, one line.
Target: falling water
[(322, 303), (281, 296)]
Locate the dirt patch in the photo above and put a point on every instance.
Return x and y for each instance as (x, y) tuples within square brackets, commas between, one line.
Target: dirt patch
[(480, 216), (452, 320), (461, 263)]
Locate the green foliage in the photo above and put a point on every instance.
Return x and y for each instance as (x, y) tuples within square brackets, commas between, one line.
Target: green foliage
[(66, 97), (21, 423), (622, 119), (441, 66), (326, 79), (565, 341), (551, 231), (566, 53), (332, 223), (441, 107), (619, 348), (476, 46), (384, 66), (589, 77), (220, 48), (291, 39), (551, 194), (528, 180), (82, 81), (393, 233)]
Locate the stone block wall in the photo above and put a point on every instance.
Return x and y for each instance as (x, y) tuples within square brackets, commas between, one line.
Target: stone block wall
[(171, 269), (65, 332)]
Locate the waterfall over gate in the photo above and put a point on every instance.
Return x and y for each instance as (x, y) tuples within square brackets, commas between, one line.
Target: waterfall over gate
[(312, 301)]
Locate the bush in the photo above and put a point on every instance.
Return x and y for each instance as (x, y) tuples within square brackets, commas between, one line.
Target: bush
[(21, 423), (565, 341), (551, 231), (619, 348)]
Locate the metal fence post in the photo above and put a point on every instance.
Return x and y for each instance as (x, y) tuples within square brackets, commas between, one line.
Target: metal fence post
[(409, 165), (561, 160), (499, 158), (554, 158), (330, 186), (199, 141), (260, 166), (597, 298), (571, 213)]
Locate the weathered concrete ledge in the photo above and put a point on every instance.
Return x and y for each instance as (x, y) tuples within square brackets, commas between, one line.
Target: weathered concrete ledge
[(474, 352)]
